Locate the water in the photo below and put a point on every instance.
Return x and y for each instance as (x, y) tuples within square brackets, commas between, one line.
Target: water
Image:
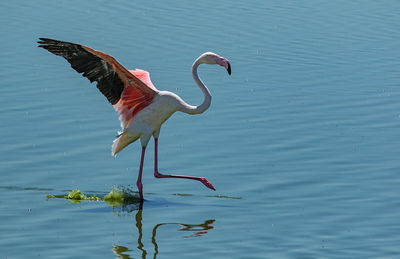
[(301, 142)]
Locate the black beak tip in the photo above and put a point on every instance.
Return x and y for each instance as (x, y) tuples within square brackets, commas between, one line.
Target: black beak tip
[(229, 69)]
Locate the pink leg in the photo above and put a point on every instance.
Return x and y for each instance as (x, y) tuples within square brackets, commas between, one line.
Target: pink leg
[(158, 175), (139, 180)]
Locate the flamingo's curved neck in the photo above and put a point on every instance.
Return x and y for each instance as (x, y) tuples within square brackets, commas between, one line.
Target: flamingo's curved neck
[(207, 95)]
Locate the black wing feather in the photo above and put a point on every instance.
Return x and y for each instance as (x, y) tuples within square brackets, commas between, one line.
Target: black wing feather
[(91, 66)]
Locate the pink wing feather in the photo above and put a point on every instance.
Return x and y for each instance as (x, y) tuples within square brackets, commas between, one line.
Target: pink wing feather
[(144, 76), (132, 99)]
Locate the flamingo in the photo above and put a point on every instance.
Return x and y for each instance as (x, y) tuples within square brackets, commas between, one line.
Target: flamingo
[(141, 106)]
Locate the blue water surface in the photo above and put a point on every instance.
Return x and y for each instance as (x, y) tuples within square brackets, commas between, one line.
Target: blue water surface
[(302, 142)]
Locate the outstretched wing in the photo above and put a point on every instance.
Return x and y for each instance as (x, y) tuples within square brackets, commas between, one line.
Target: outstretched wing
[(125, 91)]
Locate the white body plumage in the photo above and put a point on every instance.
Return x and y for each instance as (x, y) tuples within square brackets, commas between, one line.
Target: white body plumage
[(148, 121)]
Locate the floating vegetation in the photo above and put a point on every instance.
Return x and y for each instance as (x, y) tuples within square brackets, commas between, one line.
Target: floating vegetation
[(115, 198), (121, 196), (75, 196)]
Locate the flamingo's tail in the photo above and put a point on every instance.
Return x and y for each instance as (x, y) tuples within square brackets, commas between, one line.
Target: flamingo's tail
[(121, 142)]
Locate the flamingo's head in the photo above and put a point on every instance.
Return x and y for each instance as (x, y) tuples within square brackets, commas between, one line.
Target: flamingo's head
[(214, 59), (207, 183)]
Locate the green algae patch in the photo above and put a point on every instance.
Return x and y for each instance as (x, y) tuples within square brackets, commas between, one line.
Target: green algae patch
[(78, 196), (75, 196), (49, 196), (119, 197), (115, 198)]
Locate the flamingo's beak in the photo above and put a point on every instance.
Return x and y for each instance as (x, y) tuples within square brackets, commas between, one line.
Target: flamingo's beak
[(229, 68), (211, 187)]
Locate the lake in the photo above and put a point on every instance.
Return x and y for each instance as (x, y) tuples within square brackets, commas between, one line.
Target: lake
[(301, 142)]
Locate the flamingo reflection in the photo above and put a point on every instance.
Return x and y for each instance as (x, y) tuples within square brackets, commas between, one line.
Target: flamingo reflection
[(195, 230)]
